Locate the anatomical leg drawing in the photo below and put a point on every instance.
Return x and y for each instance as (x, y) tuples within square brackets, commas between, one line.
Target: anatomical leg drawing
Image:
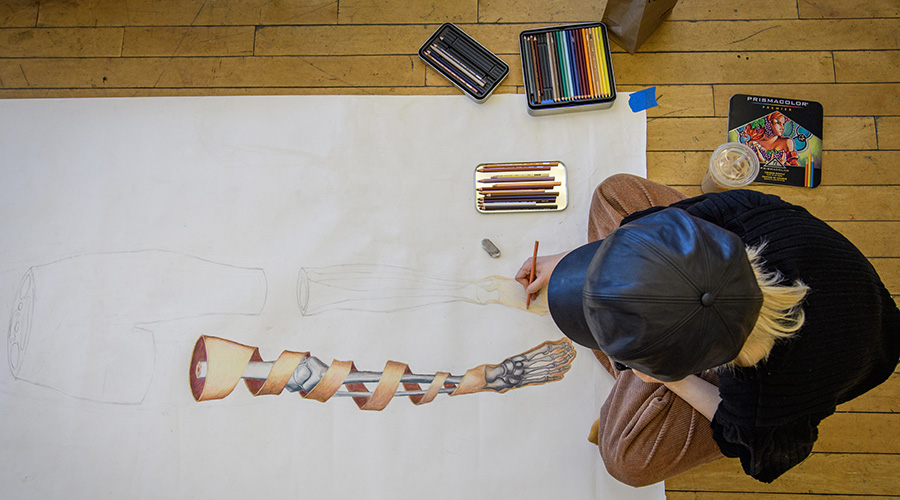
[(217, 365), (83, 325), (382, 288)]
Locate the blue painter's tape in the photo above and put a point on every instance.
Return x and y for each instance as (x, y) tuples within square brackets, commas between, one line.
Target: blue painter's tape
[(642, 99)]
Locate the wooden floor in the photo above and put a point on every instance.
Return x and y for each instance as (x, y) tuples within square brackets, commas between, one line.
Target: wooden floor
[(842, 53)]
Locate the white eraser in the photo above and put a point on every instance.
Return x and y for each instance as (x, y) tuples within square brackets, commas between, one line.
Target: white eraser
[(490, 248)]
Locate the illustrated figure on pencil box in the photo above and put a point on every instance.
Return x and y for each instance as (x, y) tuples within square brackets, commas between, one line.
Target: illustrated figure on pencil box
[(776, 139), (218, 365)]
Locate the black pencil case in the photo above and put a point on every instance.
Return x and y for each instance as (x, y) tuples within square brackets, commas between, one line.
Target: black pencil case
[(467, 64), (567, 68)]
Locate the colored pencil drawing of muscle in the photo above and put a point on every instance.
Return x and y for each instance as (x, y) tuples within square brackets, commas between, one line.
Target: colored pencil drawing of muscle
[(382, 288), (218, 365)]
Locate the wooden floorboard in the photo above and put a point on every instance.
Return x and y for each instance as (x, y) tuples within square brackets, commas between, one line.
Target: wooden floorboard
[(842, 53)]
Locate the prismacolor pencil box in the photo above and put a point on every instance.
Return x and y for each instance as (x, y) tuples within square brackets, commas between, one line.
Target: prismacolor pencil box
[(467, 64), (567, 68), (785, 134), (520, 187)]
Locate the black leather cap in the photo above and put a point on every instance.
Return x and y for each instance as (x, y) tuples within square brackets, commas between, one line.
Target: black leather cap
[(564, 294), (668, 294)]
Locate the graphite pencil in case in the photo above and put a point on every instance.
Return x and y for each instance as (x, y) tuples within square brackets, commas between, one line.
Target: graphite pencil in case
[(520, 187), (467, 64), (567, 68)]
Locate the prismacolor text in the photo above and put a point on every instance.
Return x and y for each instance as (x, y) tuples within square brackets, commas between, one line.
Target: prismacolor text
[(786, 135)]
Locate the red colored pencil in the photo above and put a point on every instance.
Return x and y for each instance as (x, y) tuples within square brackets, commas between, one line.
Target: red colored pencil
[(531, 278)]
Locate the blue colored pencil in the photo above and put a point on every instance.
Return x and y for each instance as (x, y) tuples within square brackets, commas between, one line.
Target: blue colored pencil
[(573, 65)]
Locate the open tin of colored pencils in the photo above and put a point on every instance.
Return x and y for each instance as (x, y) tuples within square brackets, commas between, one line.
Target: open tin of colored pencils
[(467, 64), (520, 187), (567, 68)]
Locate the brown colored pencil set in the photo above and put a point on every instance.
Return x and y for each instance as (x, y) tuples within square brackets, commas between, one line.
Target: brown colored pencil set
[(520, 187)]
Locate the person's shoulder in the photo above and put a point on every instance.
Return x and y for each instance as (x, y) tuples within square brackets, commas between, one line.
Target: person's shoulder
[(749, 198)]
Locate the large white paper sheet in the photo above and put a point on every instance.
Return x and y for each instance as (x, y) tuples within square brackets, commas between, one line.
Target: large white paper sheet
[(131, 227)]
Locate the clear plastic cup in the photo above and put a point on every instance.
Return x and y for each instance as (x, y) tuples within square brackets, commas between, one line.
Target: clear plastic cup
[(732, 165)]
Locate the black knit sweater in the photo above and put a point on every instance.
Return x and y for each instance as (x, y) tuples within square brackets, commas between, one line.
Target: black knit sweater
[(850, 341)]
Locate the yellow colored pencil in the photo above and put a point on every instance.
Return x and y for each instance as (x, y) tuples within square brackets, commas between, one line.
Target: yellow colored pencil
[(595, 62), (589, 60), (595, 39), (585, 48), (604, 80), (598, 40)]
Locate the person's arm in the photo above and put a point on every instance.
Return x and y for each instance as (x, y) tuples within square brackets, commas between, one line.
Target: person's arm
[(699, 393)]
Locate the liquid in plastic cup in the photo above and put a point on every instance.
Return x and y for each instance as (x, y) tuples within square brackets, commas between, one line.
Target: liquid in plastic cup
[(732, 165)]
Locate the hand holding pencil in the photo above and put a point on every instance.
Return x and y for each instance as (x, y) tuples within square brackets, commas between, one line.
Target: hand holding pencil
[(541, 267)]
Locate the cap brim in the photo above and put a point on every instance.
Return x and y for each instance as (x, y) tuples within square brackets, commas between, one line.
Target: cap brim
[(564, 294)]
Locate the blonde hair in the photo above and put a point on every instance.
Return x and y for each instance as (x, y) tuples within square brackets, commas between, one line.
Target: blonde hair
[(781, 314)]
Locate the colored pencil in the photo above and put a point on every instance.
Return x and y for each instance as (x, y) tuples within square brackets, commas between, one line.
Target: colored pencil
[(535, 196), (604, 68), (515, 175), (598, 69), (537, 165), (518, 208), (595, 64), (516, 202), (563, 69), (531, 277), (583, 67), (519, 192), (520, 185), (551, 59), (585, 62), (459, 76), (529, 75), (808, 172), (536, 59), (458, 65), (520, 170), (517, 179)]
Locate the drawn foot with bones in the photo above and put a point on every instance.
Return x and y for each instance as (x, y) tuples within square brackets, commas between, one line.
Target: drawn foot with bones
[(545, 363), (218, 365)]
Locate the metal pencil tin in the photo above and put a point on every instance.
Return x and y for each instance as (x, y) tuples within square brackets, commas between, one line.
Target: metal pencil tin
[(521, 187), (467, 64), (567, 68)]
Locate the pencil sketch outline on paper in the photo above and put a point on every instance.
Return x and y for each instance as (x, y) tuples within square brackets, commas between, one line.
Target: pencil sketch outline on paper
[(387, 288), (218, 365), (83, 325)]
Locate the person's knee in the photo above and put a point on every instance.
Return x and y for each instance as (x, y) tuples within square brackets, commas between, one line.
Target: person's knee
[(626, 461), (617, 181), (629, 468)]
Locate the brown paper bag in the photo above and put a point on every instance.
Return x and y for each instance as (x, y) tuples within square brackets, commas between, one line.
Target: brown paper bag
[(630, 22)]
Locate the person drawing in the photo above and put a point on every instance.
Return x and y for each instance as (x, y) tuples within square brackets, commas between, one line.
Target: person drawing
[(769, 142), (733, 323)]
